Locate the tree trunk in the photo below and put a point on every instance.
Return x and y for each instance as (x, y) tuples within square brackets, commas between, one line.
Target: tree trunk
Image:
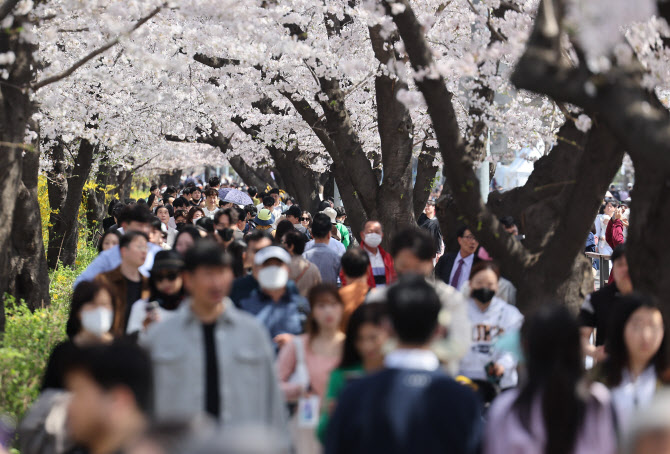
[(15, 111), (96, 208), (171, 178), (65, 203), (27, 271), (426, 172)]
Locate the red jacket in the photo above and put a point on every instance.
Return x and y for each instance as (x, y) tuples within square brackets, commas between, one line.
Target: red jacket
[(614, 233), (389, 268), (614, 237)]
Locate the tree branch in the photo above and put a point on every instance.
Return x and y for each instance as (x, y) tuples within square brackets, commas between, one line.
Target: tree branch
[(7, 7), (68, 72)]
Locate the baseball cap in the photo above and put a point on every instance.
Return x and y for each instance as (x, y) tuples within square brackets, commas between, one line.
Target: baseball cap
[(272, 252), (332, 214)]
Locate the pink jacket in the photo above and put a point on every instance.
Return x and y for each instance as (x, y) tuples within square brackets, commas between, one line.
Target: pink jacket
[(505, 433)]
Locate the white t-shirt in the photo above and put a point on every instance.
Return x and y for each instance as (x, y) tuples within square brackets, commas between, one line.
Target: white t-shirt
[(631, 396), (487, 327), (378, 268)]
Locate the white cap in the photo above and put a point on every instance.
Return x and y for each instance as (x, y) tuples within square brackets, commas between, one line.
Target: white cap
[(332, 214), (272, 252)]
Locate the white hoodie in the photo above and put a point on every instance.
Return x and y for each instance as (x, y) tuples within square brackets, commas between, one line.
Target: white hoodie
[(487, 326)]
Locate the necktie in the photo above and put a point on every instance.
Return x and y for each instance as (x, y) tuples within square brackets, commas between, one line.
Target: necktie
[(457, 276)]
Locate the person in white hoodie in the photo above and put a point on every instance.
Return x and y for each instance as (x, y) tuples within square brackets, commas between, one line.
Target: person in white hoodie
[(490, 317)]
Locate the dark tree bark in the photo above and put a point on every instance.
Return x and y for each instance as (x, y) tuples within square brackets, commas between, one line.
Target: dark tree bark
[(96, 208), (65, 195), (15, 111), (28, 273), (172, 178), (538, 275), (636, 118), (425, 177)]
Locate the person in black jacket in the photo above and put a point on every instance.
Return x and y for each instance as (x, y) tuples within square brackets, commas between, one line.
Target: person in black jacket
[(454, 268), (411, 406)]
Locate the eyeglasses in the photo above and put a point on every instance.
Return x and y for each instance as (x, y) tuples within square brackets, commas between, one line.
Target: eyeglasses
[(171, 276), (304, 219), (470, 238)]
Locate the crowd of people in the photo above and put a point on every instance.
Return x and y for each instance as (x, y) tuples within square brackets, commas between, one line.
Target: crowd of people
[(207, 324)]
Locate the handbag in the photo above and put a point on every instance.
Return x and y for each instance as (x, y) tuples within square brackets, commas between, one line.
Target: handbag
[(300, 375)]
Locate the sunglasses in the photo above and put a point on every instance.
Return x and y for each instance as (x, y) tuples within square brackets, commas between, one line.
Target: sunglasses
[(171, 276), (304, 219)]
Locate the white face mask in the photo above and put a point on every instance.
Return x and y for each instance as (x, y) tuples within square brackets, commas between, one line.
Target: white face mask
[(373, 239), (273, 277), (97, 321)]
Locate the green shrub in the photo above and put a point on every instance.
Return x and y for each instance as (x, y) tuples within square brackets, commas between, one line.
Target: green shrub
[(30, 336)]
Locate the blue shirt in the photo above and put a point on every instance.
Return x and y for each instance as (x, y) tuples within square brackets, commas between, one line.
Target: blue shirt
[(285, 316), (111, 258), (333, 244), (326, 260)]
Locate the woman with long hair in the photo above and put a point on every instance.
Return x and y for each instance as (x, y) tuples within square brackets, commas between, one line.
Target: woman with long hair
[(555, 410), (637, 362), (318, 351), (363, 353)]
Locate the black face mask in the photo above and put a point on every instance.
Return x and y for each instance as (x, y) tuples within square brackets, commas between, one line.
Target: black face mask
[(483, 295), (180, 226), (226, 234)]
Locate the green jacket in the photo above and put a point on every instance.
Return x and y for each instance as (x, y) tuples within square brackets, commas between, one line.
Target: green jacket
[(344, 233), (338, 380)]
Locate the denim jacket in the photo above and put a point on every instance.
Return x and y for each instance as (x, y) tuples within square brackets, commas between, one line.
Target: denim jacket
[(248, 383)]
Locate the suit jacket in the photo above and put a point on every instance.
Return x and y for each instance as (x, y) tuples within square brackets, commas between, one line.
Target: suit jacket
[(446, 263), (403, 411), (116, 283)]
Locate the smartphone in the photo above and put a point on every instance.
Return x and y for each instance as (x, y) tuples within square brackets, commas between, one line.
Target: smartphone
[(152, 306)]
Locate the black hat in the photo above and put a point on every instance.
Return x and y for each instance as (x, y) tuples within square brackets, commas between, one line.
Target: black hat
[(293, 210), (167, 260)]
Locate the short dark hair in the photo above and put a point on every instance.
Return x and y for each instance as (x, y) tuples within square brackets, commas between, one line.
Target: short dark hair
[(268, 201), (211, 192), (187, 190), (257, 235), (240, 213), (156, 223), (619, 252), (274, 191), (232, 214), (153, 188), (121, 363), (180, 202), (460, 233), (323, 205), (206, 253), (206, 224), (170, 190), (128, 238), (355, 262), (167, 207), (83, 293), (252, 191), (282, 229), (340, 212), (134, 213), (250, 209), (297, 240), (507, 221), (485, 265), (413, 306), (214, 181), (112, 204), (321, 226), (418, 241)]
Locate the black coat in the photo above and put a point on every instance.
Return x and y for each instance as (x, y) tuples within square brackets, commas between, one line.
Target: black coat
[(399, 411), (446, 263)]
